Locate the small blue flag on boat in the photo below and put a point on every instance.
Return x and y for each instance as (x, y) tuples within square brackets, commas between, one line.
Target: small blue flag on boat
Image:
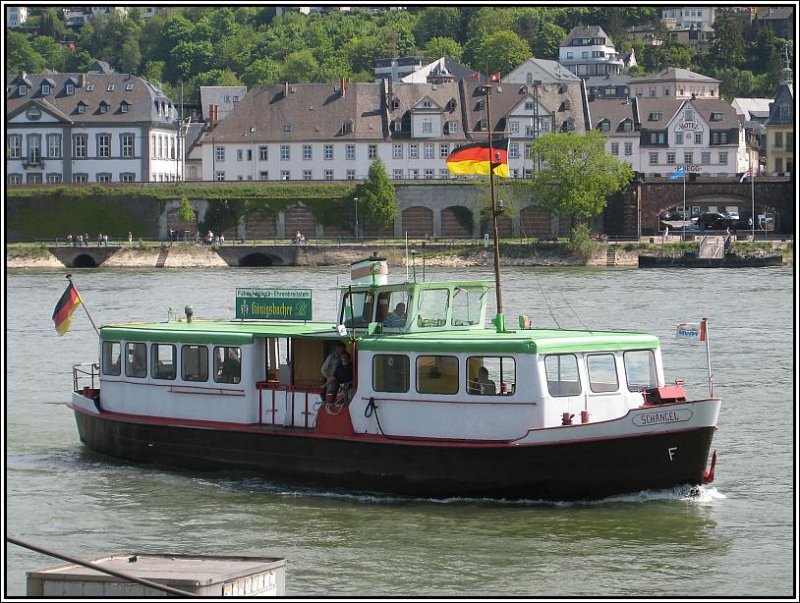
[(677, 173)]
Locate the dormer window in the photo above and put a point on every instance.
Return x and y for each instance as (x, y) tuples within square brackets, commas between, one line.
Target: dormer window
[(81, 107), (716, 116), (287, 128), (129, 86), (605, 125), (110, 87), (103, 108), (89, 87), (426, 104), (123, 107), (70, 89), (529, 105), (45, 89), (627, 126), (395, 105), (655, 116), (23, 89)]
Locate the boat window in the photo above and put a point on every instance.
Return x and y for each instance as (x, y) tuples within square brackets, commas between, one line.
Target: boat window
[(437, 374), (390, 373), (111, 358), (392, 308), (562, 375), (491, 375), (164, 359), (227, 364), (602, 373), (135, 359), (194, 365), (432, 310), (640, 369), (467, 304), (357, 308)]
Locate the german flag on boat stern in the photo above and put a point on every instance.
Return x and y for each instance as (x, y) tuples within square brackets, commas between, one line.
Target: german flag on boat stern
[(474, 158), (62, 315)]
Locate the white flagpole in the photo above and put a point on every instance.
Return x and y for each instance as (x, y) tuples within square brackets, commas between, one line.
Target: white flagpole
[(753, 203), (683, 230), (708, 359)]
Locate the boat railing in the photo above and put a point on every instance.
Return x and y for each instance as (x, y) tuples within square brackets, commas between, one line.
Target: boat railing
[(273, 393), (85, 375)]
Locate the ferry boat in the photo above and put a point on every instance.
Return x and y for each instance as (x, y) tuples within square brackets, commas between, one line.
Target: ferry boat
[(442, 404)]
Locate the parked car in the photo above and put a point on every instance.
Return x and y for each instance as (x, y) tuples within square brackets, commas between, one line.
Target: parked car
[(714, 221)]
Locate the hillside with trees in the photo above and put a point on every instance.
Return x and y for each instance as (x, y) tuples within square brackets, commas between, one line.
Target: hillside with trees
[(185, 48)]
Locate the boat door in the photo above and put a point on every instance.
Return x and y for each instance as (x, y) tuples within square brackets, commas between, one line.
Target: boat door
[(564, 386)]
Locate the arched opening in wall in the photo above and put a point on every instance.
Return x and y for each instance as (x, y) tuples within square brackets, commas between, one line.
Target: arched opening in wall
[(84, 260), (260, 227), (504, 222), (181, 230), (457, 221), (534, 223), (299, 218), (418, 222), (254, 260)]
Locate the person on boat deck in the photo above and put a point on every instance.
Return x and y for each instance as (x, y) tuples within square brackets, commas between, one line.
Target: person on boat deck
[(328, 369), (485, 385), (397, 318), (344, 376)]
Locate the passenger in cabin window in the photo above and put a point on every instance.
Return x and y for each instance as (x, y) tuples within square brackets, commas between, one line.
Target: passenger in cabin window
[(485, 385), (397, 318), (328, 369), (231, 367)]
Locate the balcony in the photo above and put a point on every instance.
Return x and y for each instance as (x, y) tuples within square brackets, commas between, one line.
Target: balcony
[(33, 163)]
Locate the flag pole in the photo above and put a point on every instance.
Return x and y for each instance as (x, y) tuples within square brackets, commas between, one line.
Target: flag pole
[(499, 320), (683, 230), (83, 303), (708, 358), (752, 203)]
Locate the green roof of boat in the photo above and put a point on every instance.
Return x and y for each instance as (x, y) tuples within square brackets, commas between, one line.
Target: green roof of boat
[(234, 332)]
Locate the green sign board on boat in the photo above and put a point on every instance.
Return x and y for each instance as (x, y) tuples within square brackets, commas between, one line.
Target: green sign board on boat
[(274, 304)]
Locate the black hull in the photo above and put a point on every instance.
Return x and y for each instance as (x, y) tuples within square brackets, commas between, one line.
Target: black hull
[(572, 471), (730, 261)]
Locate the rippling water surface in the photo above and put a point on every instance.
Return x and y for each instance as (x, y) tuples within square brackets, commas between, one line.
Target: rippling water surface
[(736, 538)]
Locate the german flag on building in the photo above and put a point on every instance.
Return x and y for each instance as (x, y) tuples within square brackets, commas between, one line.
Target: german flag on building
[(62, 315), (474, 158)]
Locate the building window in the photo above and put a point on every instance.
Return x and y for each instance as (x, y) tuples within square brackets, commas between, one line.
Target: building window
[(307, 175), (263, 175), (428, 150), (444, 150), (397, 174), (513, 126), (351, 174), (103, 177), (653, 158), (628, 148), (219, 175), (350, 152), (127, 177), (34, 148), (698, 138), (70, 89), (286, 175), (328, 152), (513, 150), (104, 145), (123, 107), (687, 157), (372, 151), (705, 158), (45, 89), (678, 137), (428, 174), (307, 154), (413, 174), (103, 107), (444, 174), (14, 146), (54, 145), (127, 145), (723, 158), (54, 178), (328, 175), (452, 127), (263, 153), (239, 155), (427, 126), (219, 153), (37, 178), (285, 155), (615, 148), (397, 151), (413, 151), (670, 158)]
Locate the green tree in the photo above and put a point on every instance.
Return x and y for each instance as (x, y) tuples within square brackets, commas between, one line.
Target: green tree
[(502, 51), (727, 48), (261, 71), (576, 175), (300, 67), (54, 54), (51, 24), (443, 47), (436, 21), (377, 197), (22, 56)]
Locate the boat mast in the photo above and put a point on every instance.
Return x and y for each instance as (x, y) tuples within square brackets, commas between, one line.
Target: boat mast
[(499, 322)]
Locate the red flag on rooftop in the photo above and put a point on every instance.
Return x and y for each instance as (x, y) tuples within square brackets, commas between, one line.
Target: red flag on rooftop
[(494, 77), (62, 314), (474, 75)]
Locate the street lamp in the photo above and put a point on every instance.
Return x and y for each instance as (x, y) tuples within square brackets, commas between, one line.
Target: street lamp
[(356, 200)]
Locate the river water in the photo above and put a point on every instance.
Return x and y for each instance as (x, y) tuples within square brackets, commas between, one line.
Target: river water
[(737, 538)]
